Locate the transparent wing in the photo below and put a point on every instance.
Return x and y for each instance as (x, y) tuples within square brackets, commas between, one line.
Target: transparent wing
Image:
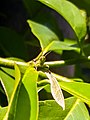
[(56, 90)]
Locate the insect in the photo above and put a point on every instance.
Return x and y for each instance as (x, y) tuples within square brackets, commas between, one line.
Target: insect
[(54, 85), (56, 90)]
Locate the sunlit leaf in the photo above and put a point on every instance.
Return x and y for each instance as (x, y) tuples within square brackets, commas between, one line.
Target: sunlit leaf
[(45, 28), (30, 84), (12, 106), (43, 33), (59, 45), (70, 13), (75, 109), (7, 77), (3, 111), (7, 81), (24, 100), (78, 89), (82, 4), (78, 111)]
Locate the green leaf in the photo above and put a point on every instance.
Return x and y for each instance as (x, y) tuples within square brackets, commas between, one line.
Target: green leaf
[(24, 100), (82, 4), (7, 81), (75, 109), (59, 45), (43, 33), (7, 78), (22, 68), (3, 111), (10, 111), (12, 44), (42, 84), (78, 89), (78, 111), (70, 13), (30, 84), (45, 28), (8, 71), (65, 79)]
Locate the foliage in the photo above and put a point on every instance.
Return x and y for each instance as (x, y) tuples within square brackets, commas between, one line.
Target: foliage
[(27, 88)]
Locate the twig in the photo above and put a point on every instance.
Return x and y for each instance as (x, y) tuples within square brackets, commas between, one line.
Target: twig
[(10, 63), (67, 62)]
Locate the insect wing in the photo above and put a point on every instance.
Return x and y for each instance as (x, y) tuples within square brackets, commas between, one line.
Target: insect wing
[(56, 90)]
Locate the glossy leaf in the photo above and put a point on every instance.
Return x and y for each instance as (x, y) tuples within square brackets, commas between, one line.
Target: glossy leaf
[(42, 84), (7, 81), (3, 111), (78, 89), (78, 111), (30, 84), (65, 79), (22, 68), (82, 4), (12, 105), (43, 33), (45, 28), (24, 104), (70, 13), (8, 71), (75, 109), (59, 45), (56, 90), (7, 78)]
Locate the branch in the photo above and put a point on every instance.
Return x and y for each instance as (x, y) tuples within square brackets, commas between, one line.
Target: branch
[(10, 63), (67, 62)]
